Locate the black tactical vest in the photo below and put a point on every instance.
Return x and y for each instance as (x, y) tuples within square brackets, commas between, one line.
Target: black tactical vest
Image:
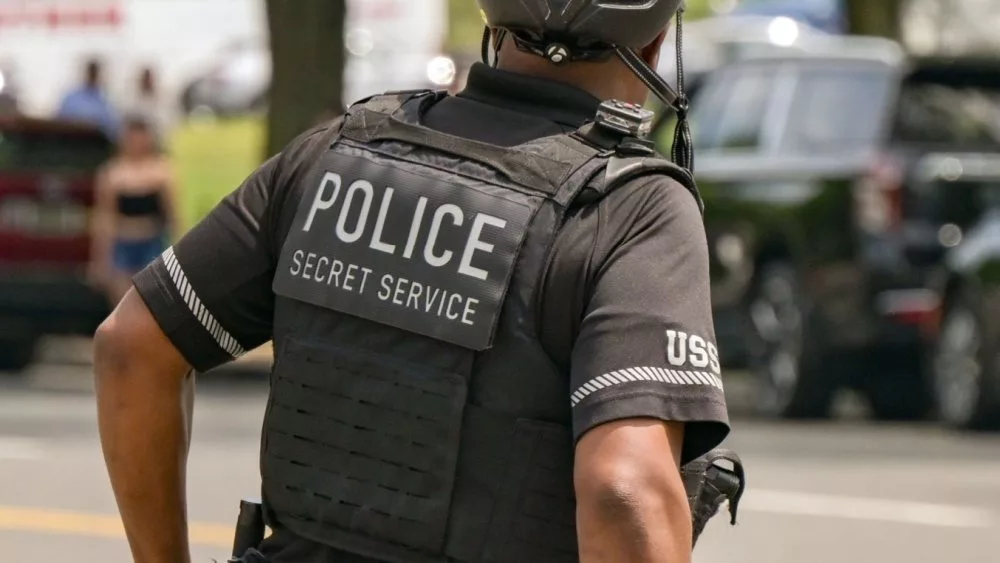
[(413, 414)]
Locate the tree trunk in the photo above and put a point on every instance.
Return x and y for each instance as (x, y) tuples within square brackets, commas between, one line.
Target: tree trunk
[(307, 49), (882, 18)]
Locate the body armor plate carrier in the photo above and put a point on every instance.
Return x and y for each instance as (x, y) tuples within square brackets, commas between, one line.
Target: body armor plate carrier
[(413, 415)]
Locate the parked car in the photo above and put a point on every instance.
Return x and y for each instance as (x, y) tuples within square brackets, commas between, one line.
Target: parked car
[(827, 15), (239, 80), (236, 83), (715, 42), (806, 164), (47, 172), (960, 196)]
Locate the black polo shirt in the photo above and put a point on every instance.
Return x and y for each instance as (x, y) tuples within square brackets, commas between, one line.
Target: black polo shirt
[(626, 295)]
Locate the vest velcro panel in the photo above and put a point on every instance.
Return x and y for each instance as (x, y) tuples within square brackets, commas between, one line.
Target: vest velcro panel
[(372, 441)]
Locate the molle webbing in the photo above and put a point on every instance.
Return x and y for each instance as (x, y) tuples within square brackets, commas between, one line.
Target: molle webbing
[(370, 465), (371, 446), (514, 499)]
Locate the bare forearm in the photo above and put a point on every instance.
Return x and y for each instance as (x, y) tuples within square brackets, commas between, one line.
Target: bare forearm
[(144, 431), (623, 528), (631, 502)]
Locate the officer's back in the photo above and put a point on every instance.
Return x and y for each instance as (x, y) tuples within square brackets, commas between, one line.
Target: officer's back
[(491, 319)]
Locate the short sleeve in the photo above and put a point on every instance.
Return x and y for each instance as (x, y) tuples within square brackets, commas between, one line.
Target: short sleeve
[(211, 292), (646, 346)]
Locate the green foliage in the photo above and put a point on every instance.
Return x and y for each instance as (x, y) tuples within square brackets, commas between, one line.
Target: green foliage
[(697, 9), (212, 159), (465, 25)]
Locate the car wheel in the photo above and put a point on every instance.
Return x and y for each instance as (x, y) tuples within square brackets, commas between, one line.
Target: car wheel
[(783, 354), (16, 355), (965, 384)]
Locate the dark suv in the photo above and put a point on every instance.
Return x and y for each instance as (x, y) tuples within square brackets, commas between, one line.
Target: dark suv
[(961, 192), (47, 172), (820, 263)]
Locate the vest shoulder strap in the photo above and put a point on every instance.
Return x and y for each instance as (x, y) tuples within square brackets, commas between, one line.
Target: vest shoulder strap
[(629, 157), (623, 169), (388, 103)]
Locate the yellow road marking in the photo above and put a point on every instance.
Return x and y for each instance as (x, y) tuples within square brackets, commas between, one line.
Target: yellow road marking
[(64, 522)]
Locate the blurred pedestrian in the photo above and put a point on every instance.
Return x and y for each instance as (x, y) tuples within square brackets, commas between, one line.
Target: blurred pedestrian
[(135, 211), (89, 101), (147, 102), (8, 88)]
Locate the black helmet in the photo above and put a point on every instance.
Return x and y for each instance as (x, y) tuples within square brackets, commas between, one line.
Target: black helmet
[(619, 23), (589, 30)]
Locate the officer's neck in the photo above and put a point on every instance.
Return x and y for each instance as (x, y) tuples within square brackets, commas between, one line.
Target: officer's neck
[(609, 80)]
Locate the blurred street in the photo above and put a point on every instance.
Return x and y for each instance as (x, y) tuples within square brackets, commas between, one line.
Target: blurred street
[(824, 493)]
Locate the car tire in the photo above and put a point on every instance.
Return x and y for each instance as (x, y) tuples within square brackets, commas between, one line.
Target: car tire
[(784, 356), (965, 382), (16, 355)]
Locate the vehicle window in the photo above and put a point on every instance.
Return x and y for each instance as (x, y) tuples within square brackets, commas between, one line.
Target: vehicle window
[(52, 151), (930, 113), (707, 107), (836, 108), (962, 202), (730, 113)]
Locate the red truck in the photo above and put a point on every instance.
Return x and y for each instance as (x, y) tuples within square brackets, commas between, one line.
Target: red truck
[(47, 177)]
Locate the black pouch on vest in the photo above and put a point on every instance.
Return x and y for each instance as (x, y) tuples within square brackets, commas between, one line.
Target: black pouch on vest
[(537, 513)]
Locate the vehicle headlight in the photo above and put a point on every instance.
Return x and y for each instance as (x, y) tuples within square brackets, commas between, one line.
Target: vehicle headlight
[(441, 71), (359, 42), (730, 250), (783, 31)]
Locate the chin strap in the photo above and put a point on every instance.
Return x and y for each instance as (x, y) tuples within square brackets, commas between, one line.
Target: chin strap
[(487, 43), (683, 148)]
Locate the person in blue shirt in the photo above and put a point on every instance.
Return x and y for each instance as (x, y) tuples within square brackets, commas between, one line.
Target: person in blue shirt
[(89, 103)]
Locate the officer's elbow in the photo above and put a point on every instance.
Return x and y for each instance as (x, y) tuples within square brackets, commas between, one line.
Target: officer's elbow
[(630, 490), (630, 513), (130, 344), (630, 495), (111, 354)]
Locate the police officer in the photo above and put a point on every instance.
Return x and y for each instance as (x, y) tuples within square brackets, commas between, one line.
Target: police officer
[(490, 314)]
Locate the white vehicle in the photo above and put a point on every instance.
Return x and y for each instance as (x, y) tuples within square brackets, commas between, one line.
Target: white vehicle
[(46, 41), (386, 47), (714, 42)]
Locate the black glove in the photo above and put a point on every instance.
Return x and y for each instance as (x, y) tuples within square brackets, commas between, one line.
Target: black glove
[(709, 484)]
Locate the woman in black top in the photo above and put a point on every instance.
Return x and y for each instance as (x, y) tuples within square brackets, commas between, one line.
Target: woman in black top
[(134, 211)]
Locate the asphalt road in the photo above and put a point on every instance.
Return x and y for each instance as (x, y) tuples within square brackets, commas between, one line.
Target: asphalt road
[(825, 493)]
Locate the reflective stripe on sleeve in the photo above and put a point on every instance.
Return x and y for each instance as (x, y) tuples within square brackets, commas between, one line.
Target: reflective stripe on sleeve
[(194, 304), (644, 374)]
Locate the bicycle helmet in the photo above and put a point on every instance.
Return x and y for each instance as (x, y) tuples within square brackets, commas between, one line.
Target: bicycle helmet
[(592, 30)]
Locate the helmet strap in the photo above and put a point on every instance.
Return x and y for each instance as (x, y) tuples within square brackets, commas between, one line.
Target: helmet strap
[(487, 43), (682, 152)]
